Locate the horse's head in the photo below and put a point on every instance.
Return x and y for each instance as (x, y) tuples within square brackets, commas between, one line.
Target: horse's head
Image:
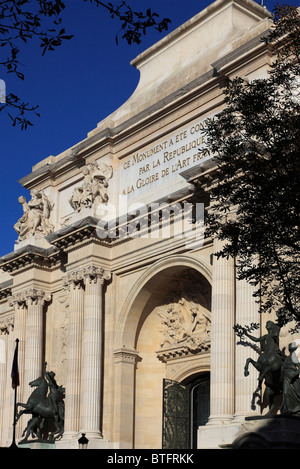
[(37, 382)]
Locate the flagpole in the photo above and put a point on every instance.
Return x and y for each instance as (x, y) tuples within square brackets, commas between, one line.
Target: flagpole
[(13, 444)]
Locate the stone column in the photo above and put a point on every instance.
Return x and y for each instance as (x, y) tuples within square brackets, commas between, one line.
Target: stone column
[(7, 345), (246, 313), (35, 300), (74, 281), (125, 369), (92, 355), (19, 302), (222, 339)]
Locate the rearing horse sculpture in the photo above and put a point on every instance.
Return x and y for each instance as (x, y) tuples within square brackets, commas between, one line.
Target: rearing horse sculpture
[(269, 364), (43, 407)]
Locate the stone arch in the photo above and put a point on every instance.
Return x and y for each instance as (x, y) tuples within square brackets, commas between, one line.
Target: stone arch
[(140, 293), (192, 369), (139, 369)]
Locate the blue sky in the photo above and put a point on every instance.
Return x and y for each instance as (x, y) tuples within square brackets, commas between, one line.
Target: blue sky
[(76, 87)]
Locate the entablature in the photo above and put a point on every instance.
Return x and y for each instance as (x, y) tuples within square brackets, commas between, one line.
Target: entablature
[(31, 257)]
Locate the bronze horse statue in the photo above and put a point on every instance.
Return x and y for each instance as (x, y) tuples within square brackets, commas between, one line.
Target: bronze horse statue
[(44, 408), (269, 364)]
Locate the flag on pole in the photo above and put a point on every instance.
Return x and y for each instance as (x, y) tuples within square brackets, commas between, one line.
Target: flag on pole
[(15, 370)]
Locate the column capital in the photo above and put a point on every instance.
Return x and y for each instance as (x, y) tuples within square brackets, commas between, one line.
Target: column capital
[(93, 274), (17, 300), (89, 274), (73, 279), (36, 296)]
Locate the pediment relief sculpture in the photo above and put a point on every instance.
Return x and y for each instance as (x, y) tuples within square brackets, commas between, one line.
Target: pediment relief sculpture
[(186, 325), (93, 190), (36, 216)]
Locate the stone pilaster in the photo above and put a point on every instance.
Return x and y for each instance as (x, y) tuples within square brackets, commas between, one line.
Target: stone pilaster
[(92, 355), (74, 282), (125, 369), (222, 339)]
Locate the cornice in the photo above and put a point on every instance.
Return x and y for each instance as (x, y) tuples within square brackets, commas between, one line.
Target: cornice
[(30, 256), (6, 289), (79, 232)]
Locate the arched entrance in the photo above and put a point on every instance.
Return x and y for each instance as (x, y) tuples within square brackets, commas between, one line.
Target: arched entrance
[(170, 320)]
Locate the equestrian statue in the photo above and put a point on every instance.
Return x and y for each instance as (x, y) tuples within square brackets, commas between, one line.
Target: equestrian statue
[(46, 407), (270, 364)]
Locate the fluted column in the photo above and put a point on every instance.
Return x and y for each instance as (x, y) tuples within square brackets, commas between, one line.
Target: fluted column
[(74, 281), (7, 344), (92, 359), (35, 300), (222, 339), (246, 313), (18, 301)]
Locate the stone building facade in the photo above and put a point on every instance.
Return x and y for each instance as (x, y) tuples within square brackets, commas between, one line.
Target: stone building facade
[(111, 284)]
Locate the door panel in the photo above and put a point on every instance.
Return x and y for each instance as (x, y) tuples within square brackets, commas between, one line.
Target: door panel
[(176, 415)]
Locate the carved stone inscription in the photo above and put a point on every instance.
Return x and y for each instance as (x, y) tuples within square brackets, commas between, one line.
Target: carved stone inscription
[(163, 160)]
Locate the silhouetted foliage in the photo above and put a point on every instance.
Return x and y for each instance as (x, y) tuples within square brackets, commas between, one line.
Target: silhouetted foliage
[(255, 197)]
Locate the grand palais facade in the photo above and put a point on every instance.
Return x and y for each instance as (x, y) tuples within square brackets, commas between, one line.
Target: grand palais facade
[(112, 285)]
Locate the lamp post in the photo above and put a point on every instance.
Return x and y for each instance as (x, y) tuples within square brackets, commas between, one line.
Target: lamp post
[(83, 442)]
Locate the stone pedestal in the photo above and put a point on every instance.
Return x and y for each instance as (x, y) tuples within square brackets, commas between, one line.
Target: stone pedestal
[(218, 435), (37, 445), (278, 432), (38, 240), (258, 432)]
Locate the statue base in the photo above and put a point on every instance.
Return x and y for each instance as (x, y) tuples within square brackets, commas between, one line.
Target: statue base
[(278, 432), (37, 240), (37, 444)]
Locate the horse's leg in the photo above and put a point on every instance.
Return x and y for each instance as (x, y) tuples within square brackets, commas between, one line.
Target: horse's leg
[(256, 365), (19, 414), (256, 394), (56, 425), (31, 424), (270, 395)]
